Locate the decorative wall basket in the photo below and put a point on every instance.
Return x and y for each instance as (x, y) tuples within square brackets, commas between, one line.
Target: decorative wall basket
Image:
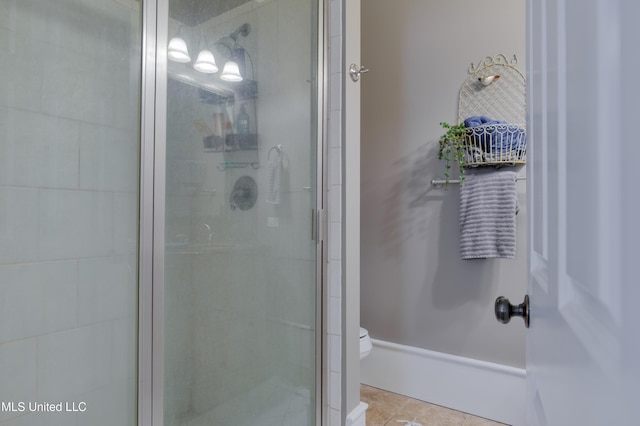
[(495, 145), (494, 90)]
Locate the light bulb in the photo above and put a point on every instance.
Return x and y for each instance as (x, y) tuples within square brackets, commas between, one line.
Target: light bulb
[(177, 50), (231, 72), (206, 63)]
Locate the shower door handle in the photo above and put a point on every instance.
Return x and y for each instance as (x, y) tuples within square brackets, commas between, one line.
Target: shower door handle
[(355, 71), (505, 310)]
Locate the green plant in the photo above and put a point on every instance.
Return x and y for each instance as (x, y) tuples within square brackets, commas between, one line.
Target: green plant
[(452, 145)]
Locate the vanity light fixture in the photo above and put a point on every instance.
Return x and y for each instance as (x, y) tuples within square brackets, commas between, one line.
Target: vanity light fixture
[(206, 62), (233, 69), (231, 72), (177, 50)]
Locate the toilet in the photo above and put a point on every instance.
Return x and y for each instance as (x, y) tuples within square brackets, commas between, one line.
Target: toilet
[(365, 343)]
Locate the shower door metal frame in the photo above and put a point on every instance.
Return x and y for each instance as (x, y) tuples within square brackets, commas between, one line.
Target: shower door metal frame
[(321, 355), (155, 29), (146, 211)]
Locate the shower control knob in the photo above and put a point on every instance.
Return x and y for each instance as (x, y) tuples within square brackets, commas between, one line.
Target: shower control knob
[(505, 310), (355, 71)]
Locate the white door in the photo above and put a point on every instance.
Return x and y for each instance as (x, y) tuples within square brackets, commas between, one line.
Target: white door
[(583, 350)]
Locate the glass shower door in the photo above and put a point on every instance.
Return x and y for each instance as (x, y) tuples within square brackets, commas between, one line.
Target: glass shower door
[(240, 294)]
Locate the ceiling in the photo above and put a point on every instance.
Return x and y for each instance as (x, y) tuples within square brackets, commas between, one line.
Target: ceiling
[(195, 12)]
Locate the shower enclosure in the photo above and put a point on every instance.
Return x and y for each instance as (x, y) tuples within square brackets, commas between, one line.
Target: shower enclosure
[(160, 259)]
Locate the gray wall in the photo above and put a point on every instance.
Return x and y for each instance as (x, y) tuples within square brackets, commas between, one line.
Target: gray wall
[(414, 288)]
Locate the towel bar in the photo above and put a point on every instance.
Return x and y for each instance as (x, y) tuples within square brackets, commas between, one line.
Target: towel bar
[(436, 182), (277, 148)]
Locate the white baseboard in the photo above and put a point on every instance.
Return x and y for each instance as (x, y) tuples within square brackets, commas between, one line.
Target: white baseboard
[(358, 416), (484, 389)]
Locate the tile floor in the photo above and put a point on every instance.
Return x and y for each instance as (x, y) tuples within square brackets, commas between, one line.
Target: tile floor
[(386, 408)]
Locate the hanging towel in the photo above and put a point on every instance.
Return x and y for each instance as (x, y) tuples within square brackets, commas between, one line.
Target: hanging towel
[(488, 207), (274, 170)]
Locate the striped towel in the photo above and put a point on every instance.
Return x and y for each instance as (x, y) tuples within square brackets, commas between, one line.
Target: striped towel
[(488, 207), (274, 171)]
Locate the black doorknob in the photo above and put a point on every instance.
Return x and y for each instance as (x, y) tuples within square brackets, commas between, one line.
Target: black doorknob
[(505, 310)]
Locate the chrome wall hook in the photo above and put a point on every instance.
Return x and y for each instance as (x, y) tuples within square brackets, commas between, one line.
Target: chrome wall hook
[(355, 71)]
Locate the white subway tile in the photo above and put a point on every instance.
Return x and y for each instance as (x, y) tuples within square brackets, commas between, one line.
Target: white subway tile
[(38, 150), (26, 17), (20, 68), (335, 128), (335, 203), (124, 361), (18, 225), (334, 321), (18, 372), (75, 224), (335, 241), (335, 166), (335, 91), (74, 362), (334, 417), (109, 158), (335, 390), (107, 288), (334, 273), (78, 87), (44, 418), (335, 18), (110, 405), (335, 55), (308, 352), (335, 353), (42, 297), (125, 223)]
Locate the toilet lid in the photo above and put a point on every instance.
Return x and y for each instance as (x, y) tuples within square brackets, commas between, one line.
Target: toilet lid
[(363, 332)]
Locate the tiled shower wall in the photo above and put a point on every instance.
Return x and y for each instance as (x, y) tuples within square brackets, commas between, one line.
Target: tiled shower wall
[(69, 95), (69, 238)]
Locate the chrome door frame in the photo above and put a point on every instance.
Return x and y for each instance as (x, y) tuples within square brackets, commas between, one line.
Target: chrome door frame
[(155, 28), (146, 212), (322, 370)]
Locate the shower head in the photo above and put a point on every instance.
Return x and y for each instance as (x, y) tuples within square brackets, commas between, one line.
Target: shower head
[(243, 30)]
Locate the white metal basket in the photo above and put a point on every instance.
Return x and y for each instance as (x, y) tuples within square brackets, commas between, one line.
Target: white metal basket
[(495, 145), (503, 99)]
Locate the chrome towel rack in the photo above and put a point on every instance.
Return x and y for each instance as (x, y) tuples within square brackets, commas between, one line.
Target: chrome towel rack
[(277, 148), (436, 182)]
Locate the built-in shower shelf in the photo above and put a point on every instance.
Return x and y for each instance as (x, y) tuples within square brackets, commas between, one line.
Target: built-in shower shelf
[(231, 143)]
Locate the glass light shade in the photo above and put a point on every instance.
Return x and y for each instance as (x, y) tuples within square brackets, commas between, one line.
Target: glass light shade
[(231, 72), (177, 50), (206, 63)]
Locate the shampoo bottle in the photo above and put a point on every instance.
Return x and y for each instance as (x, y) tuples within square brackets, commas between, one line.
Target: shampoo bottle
[(242, 121)]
